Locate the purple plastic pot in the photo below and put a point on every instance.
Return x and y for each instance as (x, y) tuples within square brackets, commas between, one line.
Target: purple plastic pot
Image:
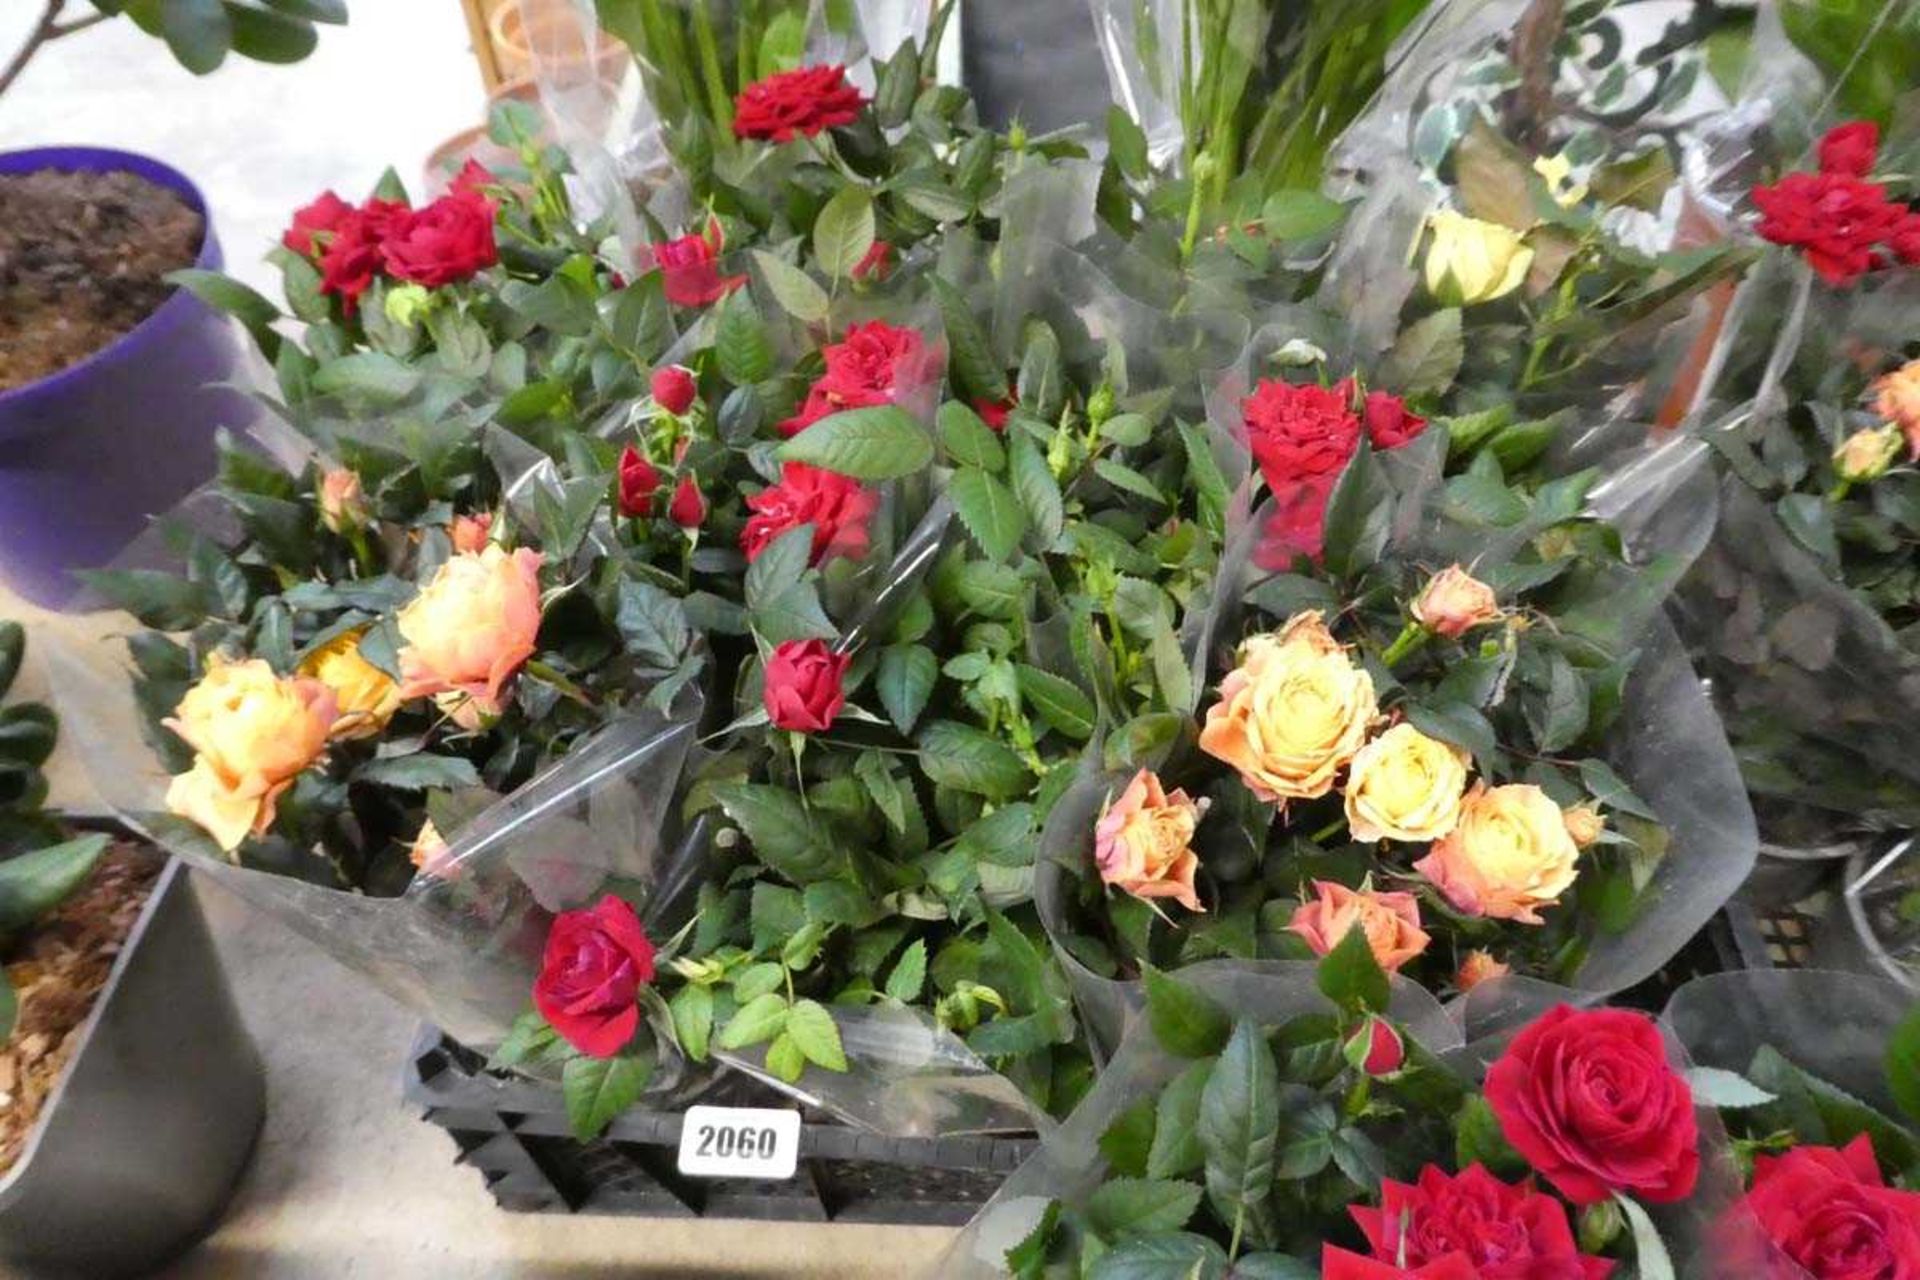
[(90, 454)]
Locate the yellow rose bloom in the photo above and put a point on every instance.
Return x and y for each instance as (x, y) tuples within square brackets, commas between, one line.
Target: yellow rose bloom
[(1293, 713), (471, 628), (1405, 786), (1510, 854), (1471, 261), (254, 732), (367, 696)]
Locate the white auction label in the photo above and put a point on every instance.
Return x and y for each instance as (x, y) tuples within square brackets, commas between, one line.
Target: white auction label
[(739, 1142)]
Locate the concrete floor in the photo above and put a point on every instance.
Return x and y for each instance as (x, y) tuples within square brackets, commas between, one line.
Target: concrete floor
[(346, 1183)]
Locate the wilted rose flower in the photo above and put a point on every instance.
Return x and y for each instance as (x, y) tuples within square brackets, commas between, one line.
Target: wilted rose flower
[(1454, 602)]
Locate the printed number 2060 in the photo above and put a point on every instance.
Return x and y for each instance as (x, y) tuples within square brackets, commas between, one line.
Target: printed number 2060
[(725, 1142)]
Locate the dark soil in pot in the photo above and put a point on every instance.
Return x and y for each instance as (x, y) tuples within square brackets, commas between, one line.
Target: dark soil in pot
[(83, 259), (58, 969)]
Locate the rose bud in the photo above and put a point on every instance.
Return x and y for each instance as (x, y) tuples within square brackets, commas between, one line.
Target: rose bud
[(1584, 824), (1479, 967), (595, 963), (471, 533), (343, 504), (1867, 453), (1897, 398), (801, 687), (1600, 1225), (673, 388), (1471, 261), (1376, 1048), (1850, 149), (638, 480), (689, 506), (876, 263), (1454, 602)]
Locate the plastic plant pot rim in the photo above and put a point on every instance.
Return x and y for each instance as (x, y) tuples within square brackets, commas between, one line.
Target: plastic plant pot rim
[(172, 879), (127, 345)]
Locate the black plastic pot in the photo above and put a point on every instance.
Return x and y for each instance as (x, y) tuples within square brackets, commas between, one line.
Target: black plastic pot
[(143, 1139)]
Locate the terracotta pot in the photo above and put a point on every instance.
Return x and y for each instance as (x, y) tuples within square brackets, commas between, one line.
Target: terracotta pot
[(473, 144), (520, 27)]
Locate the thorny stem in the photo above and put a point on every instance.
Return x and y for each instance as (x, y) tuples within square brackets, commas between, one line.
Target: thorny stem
[(44, 32)]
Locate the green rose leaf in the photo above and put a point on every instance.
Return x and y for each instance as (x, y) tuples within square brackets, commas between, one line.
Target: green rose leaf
[(757, 1021), (909, 974), (598, 1089), (989, 511), (692, 1010), (882, 442), (969, 759), (796, 291), (1350, 976), (905, 681), (1239, 1127), (1184, 1021), (1057, 701), (1176, 1135), (844, 232), (1142, 1206), (968, 440), (815, 1035)]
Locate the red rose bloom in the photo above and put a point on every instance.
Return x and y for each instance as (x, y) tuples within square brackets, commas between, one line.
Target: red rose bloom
[(802, 685), (673, 388), (1850, 149), (689, 506), (447, 241), (351, 258), (1588, 1097), (690, 267), (1828, 1214), (837, 507), (795, 103), (1300, 432), (327, 214), (1506, 1232), (588, 990), (1905, 240), (876, 262), (473, 176), (1297, 524), (1339, 1264), (639, 479), (1836, 219), (876, 363), (1389, 424), (994, 412)]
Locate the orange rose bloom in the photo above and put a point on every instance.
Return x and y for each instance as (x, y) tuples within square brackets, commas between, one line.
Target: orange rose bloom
[(1897, 399), (471, 628), (1454, 602), (343, 504), (1391, 922), (1143, 844), (1479, 967)]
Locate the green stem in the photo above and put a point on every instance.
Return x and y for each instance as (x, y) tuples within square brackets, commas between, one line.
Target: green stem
[(1411, 637), (716, 79), (1329, 831), (1839, 490)]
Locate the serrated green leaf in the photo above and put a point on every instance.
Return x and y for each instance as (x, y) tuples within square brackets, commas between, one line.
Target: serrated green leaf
[(1185, 1021), (905, 681), (797, 292), (692, 1010), (844, 231), (420, 771), (1350, 976), (970, 357), (1142, 1206), (989, 511), (1239, 1127), (1611, 790), (1426, 358), (757, 1021), (782, 834), (1176, 1146), (598, 1089), (969, 759), (909, 973), (1126, 478), (968, 440), (882, 442), (1060, 703), (1038, 491), (741, 345), (815, 1033)]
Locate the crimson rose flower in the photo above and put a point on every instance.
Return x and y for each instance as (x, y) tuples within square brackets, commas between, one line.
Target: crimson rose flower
[(447, 241), (1300, 432), (690, 267), (1836, 219), (1850, 149), (1297, 525), (351, 258), (473, 176), (588, 990), (638, 480), (1588, 1097), (836, 506), (994, 412), (794, 103), (689, 506), (1389, 424), (875, 263), (876, 363), (673, 388), (1339, 1264), (802, 685), (327, 214), (1506, 1232), (1828, 1214)]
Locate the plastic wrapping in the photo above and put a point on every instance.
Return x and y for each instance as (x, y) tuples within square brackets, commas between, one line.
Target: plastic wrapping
[(1071, 1163)]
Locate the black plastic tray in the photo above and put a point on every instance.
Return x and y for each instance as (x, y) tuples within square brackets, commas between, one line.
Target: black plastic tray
[(515, 1133)]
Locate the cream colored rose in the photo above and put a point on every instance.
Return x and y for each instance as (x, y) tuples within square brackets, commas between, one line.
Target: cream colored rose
[(1405, 786), (1454, 602), (1292, 714), (1510, 855), (343, 504), (472, 628), (1470, 261), (253, 732), (1867, 453), (1585, 824), (1897, 399), (1143, 843), (366, 696)]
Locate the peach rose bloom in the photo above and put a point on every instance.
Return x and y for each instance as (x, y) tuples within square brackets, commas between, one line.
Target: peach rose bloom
[(1405, 786), (1390, 921), (366, 696), (253, 732), (1479, 967), (1511, 854), (1143, 844), (472, 628), (1897, 399), (1585, 824), (429, 851), (343, 504), (1292, 714), (1454, 602), (471, 533)]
